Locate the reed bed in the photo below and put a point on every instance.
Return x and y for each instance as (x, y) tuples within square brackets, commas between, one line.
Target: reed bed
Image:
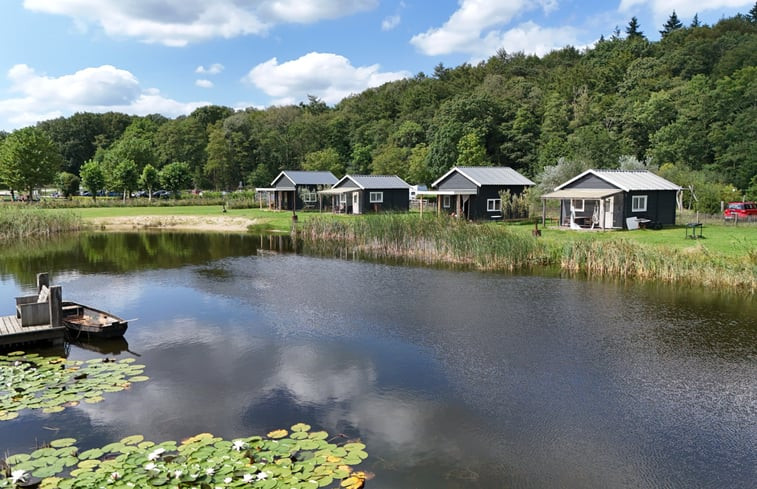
[(429, 240), (442, 240), (18, 222)]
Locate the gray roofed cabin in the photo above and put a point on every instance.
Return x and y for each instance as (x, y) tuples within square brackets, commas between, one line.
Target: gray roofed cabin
[(473, 191), (358, 194), (616, 199), (300, 187)]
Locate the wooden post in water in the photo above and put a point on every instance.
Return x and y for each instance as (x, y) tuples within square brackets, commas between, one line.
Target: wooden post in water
[(56, 306)]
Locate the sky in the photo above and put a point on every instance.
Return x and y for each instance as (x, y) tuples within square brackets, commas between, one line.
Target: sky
[(59, 57)]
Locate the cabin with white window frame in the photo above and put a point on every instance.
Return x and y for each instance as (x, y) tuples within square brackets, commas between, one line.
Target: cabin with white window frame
[(473, 192), (616, 199), (359, 194)]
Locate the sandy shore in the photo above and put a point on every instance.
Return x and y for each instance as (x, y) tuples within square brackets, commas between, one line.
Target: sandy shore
[(195, 223)]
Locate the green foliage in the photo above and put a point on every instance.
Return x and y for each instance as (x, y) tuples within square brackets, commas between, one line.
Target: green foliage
[(68, 184), (175, 176), (92, 177), (302, 459), (149, 179), (29, 381), (125, 177), (470, 152), (28, 159)]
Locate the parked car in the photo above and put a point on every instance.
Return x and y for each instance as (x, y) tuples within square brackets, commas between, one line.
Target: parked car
[(161, 194), (740, 210)]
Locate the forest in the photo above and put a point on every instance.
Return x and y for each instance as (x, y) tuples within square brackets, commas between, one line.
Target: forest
[(684, 106)]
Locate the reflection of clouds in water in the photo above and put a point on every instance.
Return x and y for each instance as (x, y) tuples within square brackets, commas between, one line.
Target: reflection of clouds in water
[(314, 378), (197, 386)]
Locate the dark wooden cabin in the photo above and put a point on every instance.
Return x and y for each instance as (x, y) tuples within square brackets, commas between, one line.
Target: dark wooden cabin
[(610, 199), (473, 191), (358, 194), (299, 187)]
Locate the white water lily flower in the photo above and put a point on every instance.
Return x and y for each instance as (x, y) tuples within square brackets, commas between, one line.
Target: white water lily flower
[(18, 476), (115, 476), (210, 471), (248, 477), (227, 480), (177, 473), (238, 445), (155, 453), (262, 475)]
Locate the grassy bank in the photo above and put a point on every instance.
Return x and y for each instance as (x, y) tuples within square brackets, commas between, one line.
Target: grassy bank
[(433, 240), (19, 222)]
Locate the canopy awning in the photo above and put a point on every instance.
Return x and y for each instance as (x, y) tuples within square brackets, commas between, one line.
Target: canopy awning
[(582, 193), (337, 191), (268, 189)]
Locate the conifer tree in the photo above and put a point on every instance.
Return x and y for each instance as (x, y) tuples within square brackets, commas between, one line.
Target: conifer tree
[(695, 21), (633, 28), (671, 25)]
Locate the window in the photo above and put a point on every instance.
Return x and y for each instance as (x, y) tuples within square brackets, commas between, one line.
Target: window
[(639, 203), (493, 205), (578, 205), (343, 198), (446, 201), (308, 196), (376, 197)]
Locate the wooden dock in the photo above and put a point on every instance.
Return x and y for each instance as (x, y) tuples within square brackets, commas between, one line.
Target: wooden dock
[(12, 333)]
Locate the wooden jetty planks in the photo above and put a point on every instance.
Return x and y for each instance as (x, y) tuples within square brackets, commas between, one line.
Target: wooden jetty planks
[(11, 332)]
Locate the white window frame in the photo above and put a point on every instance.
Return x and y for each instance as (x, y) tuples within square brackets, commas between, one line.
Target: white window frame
[(375, 197), (343, 198), (638, 203), (309, 197), (574, 204), (446, 201), (493, 205)]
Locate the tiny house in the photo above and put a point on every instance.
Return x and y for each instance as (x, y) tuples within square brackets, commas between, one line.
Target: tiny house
[(473, 192), (299, 188), (358, 194), (610, 199)]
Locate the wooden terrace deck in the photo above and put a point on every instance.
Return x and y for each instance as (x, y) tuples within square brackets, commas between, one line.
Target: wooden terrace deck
[(12, 333)]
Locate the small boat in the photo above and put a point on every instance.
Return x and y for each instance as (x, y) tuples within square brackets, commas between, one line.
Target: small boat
[(87, 322)]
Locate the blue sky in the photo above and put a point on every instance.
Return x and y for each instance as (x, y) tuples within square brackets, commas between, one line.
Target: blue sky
[(172, 56)]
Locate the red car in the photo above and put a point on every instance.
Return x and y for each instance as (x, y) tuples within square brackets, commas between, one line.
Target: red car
[(740, 210)]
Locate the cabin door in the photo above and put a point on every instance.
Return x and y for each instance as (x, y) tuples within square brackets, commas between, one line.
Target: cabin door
[(356, 202), (608, 202)]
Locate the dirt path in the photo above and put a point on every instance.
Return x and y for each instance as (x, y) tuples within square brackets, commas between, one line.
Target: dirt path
[(196, 223)]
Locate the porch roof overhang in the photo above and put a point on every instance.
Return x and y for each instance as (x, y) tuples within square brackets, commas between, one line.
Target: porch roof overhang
[(465, 191), (582, 193), (283, 189), (337, 191), (265, 189)]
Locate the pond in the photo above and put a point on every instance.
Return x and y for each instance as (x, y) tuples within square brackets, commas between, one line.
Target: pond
[(453, 379)]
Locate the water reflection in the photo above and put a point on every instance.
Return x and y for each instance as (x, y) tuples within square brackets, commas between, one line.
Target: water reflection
[(452, 379)]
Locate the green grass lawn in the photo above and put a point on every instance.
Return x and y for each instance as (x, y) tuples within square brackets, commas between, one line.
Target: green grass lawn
[(723, 239), (726, 240)]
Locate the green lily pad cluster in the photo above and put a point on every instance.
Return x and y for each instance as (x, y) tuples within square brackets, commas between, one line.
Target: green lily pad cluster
[(30, 381), (302, 460)]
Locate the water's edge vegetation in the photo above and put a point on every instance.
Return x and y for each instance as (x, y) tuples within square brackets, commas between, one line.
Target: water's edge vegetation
[(441, 240), (21, 223)]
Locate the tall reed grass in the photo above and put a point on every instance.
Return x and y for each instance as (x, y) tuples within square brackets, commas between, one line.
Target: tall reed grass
[(18, 222), (443, 240)]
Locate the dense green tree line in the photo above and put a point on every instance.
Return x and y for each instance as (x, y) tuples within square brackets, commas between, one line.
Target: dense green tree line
[(685, 105)]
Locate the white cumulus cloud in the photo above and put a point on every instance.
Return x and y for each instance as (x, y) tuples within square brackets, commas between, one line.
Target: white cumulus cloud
[(476, 28), (328, 76), (95, 89), (180, 22), (204, 83), (213, 69)]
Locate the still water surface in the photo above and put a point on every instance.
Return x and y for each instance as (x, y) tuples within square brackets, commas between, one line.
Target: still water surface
[(453, 379)]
